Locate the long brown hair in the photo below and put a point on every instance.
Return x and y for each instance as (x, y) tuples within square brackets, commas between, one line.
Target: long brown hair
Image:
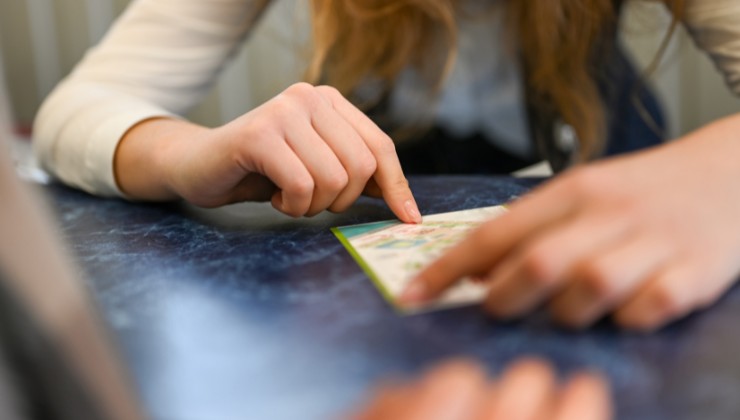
[(558, 42)]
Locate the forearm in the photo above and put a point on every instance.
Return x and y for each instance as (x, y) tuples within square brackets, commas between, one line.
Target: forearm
[(128, 78), (146, 154), (718, 141)]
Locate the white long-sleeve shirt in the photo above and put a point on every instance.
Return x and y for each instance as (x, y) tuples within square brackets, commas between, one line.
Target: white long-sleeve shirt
[(161, 56)]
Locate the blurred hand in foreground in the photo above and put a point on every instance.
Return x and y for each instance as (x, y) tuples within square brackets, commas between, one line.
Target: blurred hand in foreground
[(460, 390)]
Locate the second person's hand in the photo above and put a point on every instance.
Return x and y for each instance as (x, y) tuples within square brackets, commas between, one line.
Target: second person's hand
[(647, 237)]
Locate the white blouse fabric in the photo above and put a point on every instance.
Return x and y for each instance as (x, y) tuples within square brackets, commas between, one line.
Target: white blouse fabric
[(161, 57)]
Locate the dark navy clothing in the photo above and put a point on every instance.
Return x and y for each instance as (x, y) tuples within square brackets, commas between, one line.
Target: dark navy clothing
[(634, 121)]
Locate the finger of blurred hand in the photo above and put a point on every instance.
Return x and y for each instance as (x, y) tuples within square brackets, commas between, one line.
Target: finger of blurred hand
[(585, 396), (483, 249), (388, 174), (525, 391), (542, 264), (670, 294), (389, 401), (451, 391), (603, 281)]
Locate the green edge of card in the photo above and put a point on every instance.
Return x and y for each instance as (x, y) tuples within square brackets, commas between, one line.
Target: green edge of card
[(356, 230)]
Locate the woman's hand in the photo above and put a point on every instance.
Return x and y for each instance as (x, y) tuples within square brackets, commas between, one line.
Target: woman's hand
[(307, 150), (459, 390), (648, 237)]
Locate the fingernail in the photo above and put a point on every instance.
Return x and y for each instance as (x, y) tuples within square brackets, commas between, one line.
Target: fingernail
[(412, 211), (414, 293)]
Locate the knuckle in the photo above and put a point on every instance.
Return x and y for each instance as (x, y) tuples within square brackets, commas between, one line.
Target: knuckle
[(337, 180), (283, 106), (585, 180), (300, 88), (396, 185), (400, 185), (365, 167), (538, 266), (385, 146), (330, 92), (304, 93), (300, 186), (598, 279)]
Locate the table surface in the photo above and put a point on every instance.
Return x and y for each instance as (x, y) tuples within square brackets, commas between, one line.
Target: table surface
[(241, 312)]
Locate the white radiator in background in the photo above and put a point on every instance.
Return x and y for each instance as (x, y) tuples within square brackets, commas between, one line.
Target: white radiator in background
[(45, 52), (40, 39), (268, 63)]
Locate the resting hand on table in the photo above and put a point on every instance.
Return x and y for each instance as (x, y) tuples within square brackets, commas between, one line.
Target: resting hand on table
[(648, 237), (307, 150), (460, 391)]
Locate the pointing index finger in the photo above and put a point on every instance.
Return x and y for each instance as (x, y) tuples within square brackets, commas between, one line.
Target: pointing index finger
[(489, 244), (466, 258), (388, 175), (392, 182)]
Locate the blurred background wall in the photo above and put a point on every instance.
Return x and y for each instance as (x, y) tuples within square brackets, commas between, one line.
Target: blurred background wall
[(41, 40)]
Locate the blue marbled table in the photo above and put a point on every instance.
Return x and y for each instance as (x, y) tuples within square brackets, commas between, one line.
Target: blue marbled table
[(242, 313)]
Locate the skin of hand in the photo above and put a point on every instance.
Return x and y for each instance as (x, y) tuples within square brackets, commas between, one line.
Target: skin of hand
[(459, 390), (306, 150), (647, 237)]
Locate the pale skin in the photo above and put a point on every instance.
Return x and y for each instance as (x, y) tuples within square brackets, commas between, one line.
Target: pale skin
[(307, 150), (647, 238), (460, 390)]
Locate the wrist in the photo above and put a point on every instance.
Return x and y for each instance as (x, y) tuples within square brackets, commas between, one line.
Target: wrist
[(149, 158)]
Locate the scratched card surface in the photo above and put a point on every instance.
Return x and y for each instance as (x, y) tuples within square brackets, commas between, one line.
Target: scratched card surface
[(391, 253)]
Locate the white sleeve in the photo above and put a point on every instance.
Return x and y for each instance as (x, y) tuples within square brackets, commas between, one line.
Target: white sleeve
[(715, 27), (159, 59)]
